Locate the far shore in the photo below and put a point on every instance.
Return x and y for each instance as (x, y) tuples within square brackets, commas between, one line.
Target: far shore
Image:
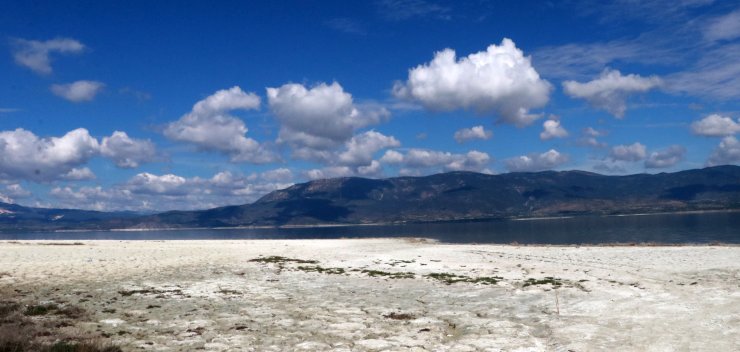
[(308, 226)]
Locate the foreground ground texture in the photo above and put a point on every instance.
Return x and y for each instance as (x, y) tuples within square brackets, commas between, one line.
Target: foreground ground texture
[(376, 295)]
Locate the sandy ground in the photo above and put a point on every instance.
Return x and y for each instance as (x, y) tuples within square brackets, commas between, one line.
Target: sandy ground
[(208, 295)]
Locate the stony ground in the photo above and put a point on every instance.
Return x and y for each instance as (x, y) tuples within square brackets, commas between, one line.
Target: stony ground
[(382, 294)]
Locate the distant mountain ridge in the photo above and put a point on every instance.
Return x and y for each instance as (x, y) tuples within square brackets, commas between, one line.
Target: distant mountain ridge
[(474, 196), (452, 196)]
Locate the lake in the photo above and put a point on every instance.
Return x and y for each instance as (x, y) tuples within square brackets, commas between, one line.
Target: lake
[(661, 228)]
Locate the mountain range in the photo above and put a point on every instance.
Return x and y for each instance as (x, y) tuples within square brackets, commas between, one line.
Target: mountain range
[(452, 196)]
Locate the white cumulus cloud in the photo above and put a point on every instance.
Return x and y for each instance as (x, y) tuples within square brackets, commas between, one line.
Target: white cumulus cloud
[(23, 155), (127, 152), (499, 80), (329, 172), (536, 161), (633, 152), (35, 54), (716, 125), (415, 160), (552, 129), (320, 118), (610, 90), (361, 148), (78, 91), (79, 174), (168, 184), (666, 157), (150, 192), (727, 152), (210, 127), (475, 132)]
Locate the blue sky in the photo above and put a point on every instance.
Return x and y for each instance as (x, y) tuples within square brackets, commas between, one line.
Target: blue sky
[(150, 106)]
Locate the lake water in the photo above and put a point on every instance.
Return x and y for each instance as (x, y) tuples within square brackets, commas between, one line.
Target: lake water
[(662, 228)]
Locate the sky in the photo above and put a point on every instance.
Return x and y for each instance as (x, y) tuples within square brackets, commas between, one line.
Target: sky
[(160, 105)]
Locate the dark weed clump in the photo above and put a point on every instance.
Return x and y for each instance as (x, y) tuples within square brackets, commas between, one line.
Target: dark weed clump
[(322, 270), (390, 275), (399, 316), (62, 244), (149, 291), (548, 280), (450, 279), (276, 259)]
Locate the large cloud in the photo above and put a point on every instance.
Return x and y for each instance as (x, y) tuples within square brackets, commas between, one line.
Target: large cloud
[(355, 157), (499, 80), (209, 127), (716, 126), (666, 157), (469, 134), (314, 120), (78, 91), (536, 162), (127, 152), (23, 155), (633, 152), (34, 54), (727, 152), (610, 90)]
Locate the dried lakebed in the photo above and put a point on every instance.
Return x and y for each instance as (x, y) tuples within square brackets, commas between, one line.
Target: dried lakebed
[(375, 295)]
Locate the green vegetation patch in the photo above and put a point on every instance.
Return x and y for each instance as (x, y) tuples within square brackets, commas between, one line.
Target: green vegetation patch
[(390, 275), (276, 259), (555, 282), (81, 347), (21, 332), (6, 308), (322, 270), (450, 279), (41, 309)]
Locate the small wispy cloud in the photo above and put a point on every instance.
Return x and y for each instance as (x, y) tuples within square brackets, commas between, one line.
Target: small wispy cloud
[(399, 10), (35, 54), (79, 91), (346, 25)]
